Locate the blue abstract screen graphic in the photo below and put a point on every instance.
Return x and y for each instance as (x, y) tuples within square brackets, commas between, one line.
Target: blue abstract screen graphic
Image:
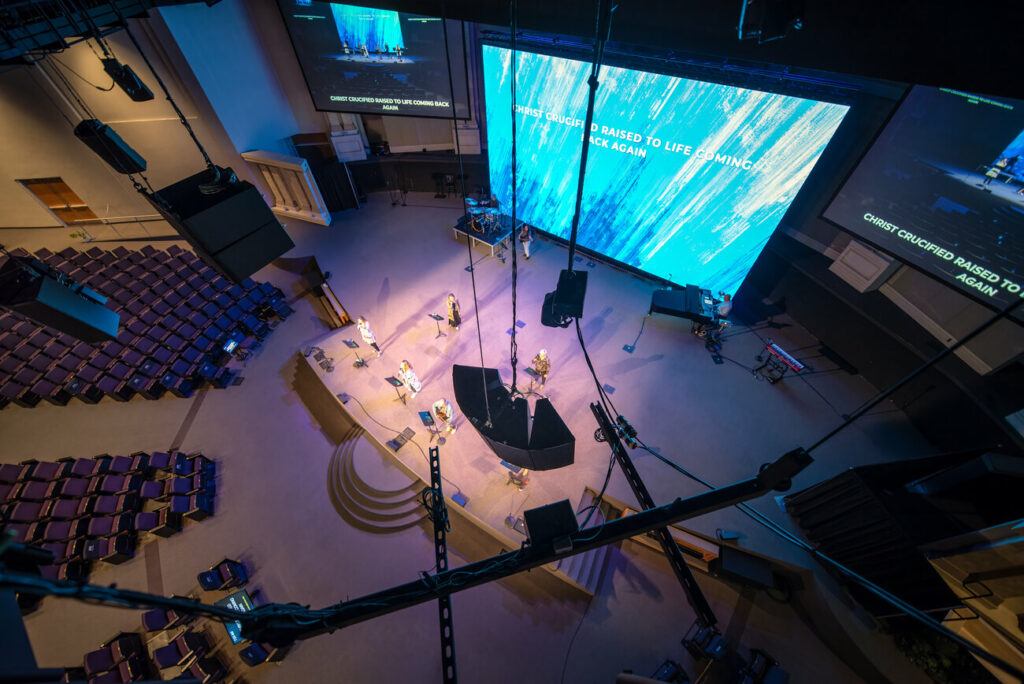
[(367, 26), (685, 179)]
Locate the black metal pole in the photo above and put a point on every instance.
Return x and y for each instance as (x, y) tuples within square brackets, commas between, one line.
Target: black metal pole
[(705, 616), (439, 515), (281, 629)]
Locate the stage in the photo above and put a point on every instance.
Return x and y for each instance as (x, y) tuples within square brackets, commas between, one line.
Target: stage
[(685, 401)]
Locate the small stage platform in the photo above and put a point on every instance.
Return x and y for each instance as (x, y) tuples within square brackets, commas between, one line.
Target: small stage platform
[(467, 463)]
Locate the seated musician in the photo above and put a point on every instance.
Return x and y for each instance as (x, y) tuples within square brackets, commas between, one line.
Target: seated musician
[(444, 414), (724, 307), (542, 365)]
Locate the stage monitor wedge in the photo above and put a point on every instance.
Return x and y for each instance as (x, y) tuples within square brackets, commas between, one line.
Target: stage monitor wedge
[(227, 222)]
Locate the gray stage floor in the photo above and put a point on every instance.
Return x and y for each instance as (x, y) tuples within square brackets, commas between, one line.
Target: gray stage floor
[(395, 265)]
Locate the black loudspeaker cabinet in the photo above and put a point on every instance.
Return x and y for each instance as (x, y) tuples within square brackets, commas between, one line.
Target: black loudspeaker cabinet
[(64, 305), (102, 140), (548, 445), (232, 230)]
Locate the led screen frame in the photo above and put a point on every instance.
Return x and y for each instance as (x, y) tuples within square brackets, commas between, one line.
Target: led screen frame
[(456, 81), (657, 218), (907, 256)]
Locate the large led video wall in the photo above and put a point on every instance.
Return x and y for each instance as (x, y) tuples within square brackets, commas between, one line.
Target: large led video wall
[(943, 189), (373, 61), (686, 180)]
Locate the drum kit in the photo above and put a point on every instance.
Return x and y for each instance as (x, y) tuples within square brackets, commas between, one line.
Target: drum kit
[(482, 218)]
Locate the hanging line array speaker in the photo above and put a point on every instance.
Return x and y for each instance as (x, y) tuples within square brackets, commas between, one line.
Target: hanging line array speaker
[(545, 444)]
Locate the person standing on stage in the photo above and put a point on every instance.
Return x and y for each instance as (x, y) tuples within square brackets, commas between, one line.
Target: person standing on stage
[(409, 379), (386, 51), (362, 48), (398, 51), (378, 52), (454, 313), (444, 414), (542, 365), (368, 337), (526, 238), (345, 45)]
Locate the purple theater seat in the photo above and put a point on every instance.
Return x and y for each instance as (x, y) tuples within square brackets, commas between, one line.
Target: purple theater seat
[(159, 460), (63, 509), (74, 487), (146, 522), (120, 465), (178, 485), (167, 656), (151, 489), (107, 504), (10, 472), (26, 511), (112, 484), (84, 467), (57, 530), (110, 525), (100, 660), (34, 491), (156, 620), (6, 492), (45, 471), (112, 677)]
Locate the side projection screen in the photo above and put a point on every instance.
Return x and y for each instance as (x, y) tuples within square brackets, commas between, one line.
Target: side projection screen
[(373, 61), (686, 180), (942, 188)]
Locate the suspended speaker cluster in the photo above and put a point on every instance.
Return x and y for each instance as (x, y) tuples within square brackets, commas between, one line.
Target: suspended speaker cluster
[(545, 443)]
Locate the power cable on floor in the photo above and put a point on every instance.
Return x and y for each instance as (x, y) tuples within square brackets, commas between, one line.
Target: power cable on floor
[(411, 441)]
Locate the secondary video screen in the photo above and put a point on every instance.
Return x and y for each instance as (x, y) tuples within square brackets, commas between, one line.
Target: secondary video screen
[(942, 188), (686, 180), (372, 61)]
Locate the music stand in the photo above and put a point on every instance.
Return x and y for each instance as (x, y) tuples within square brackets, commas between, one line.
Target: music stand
[(428, 422), (437, 321), (533, 379), (360, 362), (396, 383)]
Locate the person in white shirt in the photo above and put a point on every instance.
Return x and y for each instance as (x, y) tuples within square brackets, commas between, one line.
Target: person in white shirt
[(409, 379), (368, 337), (444, 414)]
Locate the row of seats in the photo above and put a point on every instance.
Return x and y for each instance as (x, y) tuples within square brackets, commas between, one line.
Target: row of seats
[(177, 316), (190, 650), (99, 509)]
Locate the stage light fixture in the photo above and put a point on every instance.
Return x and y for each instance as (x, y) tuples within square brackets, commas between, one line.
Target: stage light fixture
[(127, 80), (49, 297)]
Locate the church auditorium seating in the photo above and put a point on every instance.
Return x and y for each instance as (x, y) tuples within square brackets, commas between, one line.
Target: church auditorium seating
[(101, 509), (176, 314)]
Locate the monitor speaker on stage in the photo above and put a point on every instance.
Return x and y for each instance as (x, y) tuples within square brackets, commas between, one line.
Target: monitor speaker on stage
[(504, 421), (225, 220)]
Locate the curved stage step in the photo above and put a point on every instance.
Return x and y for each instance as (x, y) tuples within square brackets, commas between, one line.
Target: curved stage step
[(370, 492)]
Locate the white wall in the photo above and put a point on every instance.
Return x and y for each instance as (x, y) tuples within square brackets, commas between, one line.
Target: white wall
[(37, 141), (225, 55)]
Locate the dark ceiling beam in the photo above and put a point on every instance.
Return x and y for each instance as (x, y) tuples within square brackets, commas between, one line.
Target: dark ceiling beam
[(48, 25), (971, 46)]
